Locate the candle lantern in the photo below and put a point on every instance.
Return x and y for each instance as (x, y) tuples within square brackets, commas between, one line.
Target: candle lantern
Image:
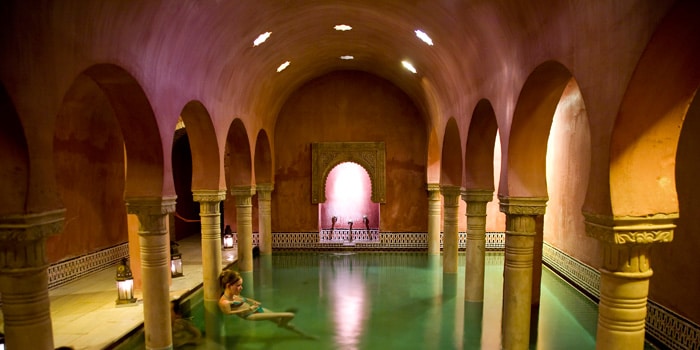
[(125, 284), (228, 238), (175, 260)]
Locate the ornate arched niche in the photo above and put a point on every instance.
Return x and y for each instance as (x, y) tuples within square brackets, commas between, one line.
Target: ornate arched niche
[(370, 155)]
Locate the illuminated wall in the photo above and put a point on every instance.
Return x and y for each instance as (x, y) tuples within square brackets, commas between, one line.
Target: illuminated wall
[(350, 106), (348, 192)]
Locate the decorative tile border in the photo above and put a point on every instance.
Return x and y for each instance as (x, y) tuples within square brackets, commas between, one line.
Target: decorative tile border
[(671, 329), (664, 326), (385, 241), (495, 240), (581, 275), (344, 235), (68, 270)]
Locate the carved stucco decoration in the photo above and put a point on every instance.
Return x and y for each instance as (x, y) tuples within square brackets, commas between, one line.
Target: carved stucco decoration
[(631, 230), (369, 155)]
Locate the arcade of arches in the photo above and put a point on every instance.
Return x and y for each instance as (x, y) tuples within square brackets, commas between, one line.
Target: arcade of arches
[(572, 123)]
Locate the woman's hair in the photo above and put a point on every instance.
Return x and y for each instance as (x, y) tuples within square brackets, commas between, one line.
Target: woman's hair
[(228, 277)]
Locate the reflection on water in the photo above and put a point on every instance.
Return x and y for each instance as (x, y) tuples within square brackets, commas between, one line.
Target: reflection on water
[(344, 277), (389, 301)]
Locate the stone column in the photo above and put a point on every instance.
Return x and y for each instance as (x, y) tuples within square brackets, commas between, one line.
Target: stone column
[(450, 240), (209, 202), (152, 213), (476, 243), (434, 219), (244, 223), (265, 217), (24, 278), (625, 274), (521, 213), (537, 261)]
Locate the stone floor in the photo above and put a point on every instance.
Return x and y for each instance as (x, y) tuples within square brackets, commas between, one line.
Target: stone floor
[(84, 314)]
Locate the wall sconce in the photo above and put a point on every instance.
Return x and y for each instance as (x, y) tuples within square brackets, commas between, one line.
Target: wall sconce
[(125, 284), (228, 238), (175, 260)]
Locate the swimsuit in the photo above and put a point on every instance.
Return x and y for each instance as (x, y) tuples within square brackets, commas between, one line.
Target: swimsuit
[(245, 301)]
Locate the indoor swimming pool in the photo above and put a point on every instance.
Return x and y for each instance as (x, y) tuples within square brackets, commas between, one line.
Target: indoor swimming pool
[(386, 300)]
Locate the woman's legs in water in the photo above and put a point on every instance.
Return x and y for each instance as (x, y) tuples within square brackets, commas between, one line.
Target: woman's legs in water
[(280, 318)]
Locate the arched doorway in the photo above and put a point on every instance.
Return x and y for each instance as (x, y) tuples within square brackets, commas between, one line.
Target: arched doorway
[(348, 214), (353, 174)]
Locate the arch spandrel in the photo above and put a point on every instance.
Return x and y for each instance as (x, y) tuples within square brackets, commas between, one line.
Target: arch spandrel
[(369, 155), (647, 129)]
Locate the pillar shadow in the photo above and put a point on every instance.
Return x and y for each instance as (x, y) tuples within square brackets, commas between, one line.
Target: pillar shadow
[(473, 324), (534, 323)]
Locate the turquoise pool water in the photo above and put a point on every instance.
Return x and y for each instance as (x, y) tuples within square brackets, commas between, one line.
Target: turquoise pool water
[(372, 300)]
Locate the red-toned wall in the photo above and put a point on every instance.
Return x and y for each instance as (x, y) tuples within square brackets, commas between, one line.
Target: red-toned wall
[(675, 282), (350, 106), (89, 158), (568, 166)]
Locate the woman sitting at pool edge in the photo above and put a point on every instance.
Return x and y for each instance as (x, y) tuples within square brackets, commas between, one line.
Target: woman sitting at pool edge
[(232, 303)]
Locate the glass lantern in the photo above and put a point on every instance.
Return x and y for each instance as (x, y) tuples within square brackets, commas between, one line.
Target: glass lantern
[(125, 284), (175, 260), (228, 238)]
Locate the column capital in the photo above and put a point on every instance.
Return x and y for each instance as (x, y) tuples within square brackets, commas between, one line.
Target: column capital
[(151, 212), (239, 191), (23, 240), (474, 195), (265, 187), (208, 195), (523, 205), (450, 190), (631, 229), (150, 205), (432, 187), (264, 191), (31, 227), (451, 194)]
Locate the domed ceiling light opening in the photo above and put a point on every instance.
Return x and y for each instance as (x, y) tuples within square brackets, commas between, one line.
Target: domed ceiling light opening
[(282, 66), (347, 57), (342, 27), (261, 38), (409, 66), (424, 37)]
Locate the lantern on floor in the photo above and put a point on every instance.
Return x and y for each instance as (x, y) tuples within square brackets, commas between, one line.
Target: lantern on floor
[(125, 284), (228, 238), (175, 260)]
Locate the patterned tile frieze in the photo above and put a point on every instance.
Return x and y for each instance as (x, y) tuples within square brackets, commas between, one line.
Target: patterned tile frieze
[(671, 329), (582, 275), (69, 270), (369, 240)]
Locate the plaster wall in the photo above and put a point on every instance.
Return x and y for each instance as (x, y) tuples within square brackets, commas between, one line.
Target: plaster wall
[(568, 166), (89, 159), (675, 282), (350, 106)]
